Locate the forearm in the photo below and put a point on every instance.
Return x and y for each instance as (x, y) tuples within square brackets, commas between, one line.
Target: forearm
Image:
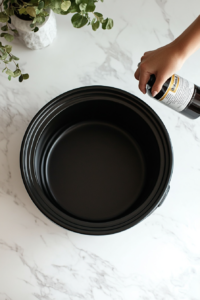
[(189, 41)]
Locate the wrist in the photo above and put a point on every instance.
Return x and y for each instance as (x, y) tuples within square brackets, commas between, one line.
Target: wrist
[(178, 51)]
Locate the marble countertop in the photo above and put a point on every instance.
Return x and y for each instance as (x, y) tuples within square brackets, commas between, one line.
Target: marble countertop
[(158, 259)]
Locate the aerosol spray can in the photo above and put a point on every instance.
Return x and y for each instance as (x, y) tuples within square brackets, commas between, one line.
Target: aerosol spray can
[(178, 94)]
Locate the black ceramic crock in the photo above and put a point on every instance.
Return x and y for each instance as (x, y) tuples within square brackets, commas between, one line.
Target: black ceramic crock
[(96, 160)]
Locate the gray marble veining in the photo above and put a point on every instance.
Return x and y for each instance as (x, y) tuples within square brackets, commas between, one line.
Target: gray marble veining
[(159, 259)]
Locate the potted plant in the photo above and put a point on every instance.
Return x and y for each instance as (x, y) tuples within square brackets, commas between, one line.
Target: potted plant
[(26, 19)]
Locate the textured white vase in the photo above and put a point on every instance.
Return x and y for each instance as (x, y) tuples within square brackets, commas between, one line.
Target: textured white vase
[(40, 39)]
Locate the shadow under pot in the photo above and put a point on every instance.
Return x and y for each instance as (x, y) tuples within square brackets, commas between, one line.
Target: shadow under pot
[(96, 160), (35, 40)]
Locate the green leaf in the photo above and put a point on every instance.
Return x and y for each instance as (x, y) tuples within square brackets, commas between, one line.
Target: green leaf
[(5, 4), (4, 28), (95, 25), (9, 77), (73, 8), (10, 11), (64, 13), (2, 50), (98, 16), (41, 5), (55, 4), (8, 48), (7, 36), (83, 6), (40, 19), (35, 29), (25, 76), (78, 2), (79, 21), (15, 57), (4, 56), (65, 5), (22, 10), (32, 25), (107, 24), (37, 11), (9, 72), (93, 21), (15, 32), (31, 11), (45, 14), (90, 8), (17, 73), (57, 10), (21, 78), (4, 69), (3, 17)]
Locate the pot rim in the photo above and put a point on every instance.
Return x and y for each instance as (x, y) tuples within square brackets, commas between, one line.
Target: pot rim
[(96, 228)]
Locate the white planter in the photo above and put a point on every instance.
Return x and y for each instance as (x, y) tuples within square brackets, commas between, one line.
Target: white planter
[(40, 39)]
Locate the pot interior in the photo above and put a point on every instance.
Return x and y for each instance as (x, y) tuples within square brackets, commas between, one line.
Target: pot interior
[(97, 160)]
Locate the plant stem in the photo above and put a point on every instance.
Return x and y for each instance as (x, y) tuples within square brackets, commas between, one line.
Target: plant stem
[(13, 60)]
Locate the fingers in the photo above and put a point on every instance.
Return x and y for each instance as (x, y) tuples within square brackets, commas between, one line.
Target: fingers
[(160, 80), (143, 79), (159, 62), (142, 58), (145, 53), (137, 74)]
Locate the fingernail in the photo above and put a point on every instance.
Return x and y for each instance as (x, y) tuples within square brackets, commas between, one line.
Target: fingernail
[(154, 93)]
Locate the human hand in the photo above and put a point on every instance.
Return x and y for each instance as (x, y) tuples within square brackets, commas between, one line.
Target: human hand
[(162, 62)]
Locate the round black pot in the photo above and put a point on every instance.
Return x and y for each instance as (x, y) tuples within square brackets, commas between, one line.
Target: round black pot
[(96, 160)]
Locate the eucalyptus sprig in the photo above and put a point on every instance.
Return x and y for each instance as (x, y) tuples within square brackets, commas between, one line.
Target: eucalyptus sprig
[(82, 9), (6, 57), (37, 11)]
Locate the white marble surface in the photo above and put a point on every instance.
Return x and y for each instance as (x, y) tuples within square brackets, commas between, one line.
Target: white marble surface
[(158, 259)]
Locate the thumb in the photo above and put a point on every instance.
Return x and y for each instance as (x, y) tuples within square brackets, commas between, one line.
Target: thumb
[(160, 80)]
